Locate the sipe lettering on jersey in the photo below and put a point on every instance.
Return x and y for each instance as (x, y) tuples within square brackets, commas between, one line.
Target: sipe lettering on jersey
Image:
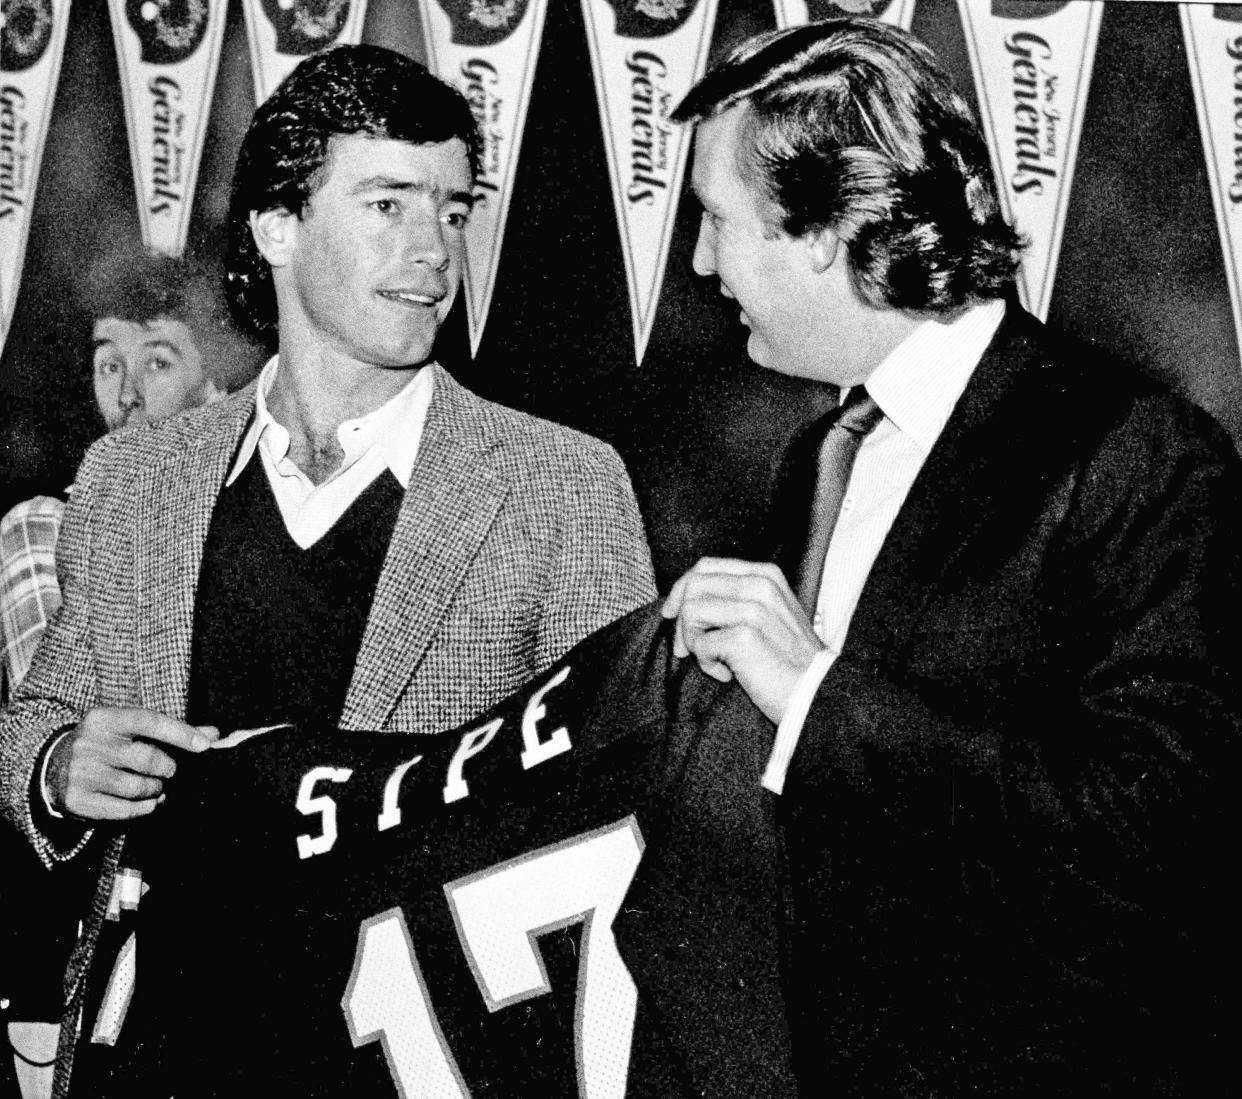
[(536, 749)]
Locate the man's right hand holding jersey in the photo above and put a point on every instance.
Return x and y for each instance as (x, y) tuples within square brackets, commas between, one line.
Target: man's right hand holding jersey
[(113, 764)]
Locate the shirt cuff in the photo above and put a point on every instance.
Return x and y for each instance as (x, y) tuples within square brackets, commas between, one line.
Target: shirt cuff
[(44, 793), (790, 728)]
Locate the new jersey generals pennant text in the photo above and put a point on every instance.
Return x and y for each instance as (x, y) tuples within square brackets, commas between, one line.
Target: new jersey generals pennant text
[(1032, 64), (488, 48), (645, 55), (32, 44), (168, 54)]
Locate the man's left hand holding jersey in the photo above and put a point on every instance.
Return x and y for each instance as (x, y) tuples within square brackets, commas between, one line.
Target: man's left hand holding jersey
[(1006, 845)]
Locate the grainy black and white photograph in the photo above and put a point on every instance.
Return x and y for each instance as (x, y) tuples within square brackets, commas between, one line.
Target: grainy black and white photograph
[(619, 549)]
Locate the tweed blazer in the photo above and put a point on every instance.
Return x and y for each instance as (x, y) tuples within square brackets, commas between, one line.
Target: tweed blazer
[(516, 538)]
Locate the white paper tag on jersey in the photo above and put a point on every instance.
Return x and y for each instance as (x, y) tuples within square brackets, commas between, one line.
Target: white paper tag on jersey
[(128, 889)]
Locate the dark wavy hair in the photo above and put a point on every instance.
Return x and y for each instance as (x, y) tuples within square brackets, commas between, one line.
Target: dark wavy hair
[(142, 286), (341, 91), (852, 125)]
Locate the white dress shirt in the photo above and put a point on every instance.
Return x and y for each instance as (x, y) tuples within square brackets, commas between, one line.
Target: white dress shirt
[(387, 438), (917, 387)]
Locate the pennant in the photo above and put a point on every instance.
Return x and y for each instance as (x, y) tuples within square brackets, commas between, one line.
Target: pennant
[(32, 46), (1213, 35), (793, 13), (1032, 62), (488, 49), (645, 55), (168, 52), (282, 32)]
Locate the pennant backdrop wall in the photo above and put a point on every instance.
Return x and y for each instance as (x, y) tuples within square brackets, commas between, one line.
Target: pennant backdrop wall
[(645, 55), (282, 32), (167, 59), (490, 54), (1032, 62), (1214, 50), (793, 13), (30, 58), (1111, 125)]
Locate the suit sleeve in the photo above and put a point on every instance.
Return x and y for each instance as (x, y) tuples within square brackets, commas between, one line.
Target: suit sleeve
[(60, 685), (603, 568)]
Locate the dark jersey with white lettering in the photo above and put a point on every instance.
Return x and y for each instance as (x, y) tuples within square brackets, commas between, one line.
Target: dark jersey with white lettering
[(577, 894)]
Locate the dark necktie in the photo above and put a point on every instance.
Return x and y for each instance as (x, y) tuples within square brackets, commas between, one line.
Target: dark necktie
[(843, 431)]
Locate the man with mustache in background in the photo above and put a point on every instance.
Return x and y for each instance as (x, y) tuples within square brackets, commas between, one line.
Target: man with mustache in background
[(160, 345)]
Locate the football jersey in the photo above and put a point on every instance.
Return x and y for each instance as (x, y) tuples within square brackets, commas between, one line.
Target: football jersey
[(576, 894)]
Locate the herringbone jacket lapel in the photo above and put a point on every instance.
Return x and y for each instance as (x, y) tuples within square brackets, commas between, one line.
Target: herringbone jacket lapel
[(456, 489), (175, 498)]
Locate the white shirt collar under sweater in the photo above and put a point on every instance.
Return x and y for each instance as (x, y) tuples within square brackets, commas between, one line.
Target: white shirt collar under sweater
[(387, 438)]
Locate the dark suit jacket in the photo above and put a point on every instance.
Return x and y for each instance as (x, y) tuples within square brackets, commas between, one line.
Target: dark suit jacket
[(1009, 815)]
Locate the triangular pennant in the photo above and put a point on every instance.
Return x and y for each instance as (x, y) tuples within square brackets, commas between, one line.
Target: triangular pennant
[(168, 54), (282, 32), (487, 48), (1032, 61), (1214, 50), (793, 13), (32, 45), (645, 55)]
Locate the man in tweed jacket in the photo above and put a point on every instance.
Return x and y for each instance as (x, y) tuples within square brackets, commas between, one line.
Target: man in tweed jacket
[(467, 545)]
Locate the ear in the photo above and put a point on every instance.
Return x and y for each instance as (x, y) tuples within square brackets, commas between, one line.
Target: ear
[(275, 233), (209, 393), (823, 247)]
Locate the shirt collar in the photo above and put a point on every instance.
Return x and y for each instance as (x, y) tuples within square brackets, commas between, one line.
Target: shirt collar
[(919, 383), (396, 427)]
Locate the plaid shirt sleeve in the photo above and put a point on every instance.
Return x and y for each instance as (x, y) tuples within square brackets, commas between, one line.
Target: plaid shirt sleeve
[(29, 593)]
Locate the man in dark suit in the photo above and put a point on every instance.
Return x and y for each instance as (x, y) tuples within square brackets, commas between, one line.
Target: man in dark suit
[(1006, 709)]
